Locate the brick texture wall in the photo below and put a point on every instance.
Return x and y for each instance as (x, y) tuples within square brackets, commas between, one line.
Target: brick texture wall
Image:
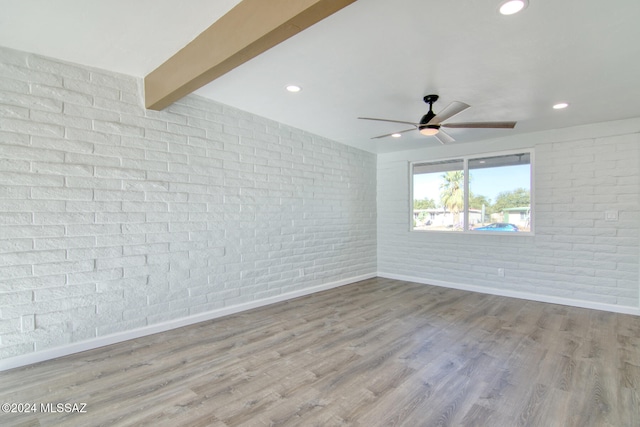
[(575, 255), (114, 218)]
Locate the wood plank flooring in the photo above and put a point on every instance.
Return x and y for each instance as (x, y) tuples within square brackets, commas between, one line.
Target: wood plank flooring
[(375, 353)]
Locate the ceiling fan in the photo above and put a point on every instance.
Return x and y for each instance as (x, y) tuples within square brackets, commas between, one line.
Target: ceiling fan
[(431, 123)]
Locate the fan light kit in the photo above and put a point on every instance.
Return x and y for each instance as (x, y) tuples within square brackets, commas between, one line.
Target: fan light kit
[(430, 124), (510, 7), (429, 131)]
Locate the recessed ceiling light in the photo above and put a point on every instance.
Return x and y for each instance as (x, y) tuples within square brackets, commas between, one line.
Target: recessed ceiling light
[(294, 88), (395, 135), (509, 7), (560, 106)]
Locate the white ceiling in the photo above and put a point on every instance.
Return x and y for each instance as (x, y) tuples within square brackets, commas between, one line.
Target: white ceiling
[(375, 58)]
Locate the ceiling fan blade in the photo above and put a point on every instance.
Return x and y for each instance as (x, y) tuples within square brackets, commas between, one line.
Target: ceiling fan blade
[(389, 134), (387, 120), (488, 125), (451, 110), (444, 137)]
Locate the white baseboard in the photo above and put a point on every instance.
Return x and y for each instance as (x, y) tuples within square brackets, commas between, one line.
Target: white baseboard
[(515, 294), (53, 353)]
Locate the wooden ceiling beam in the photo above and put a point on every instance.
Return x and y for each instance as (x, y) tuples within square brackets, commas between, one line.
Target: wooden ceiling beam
[(247, 30)]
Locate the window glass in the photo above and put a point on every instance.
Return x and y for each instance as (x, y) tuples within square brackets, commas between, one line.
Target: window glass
[(438, 196), (479, 194), (500, 193)]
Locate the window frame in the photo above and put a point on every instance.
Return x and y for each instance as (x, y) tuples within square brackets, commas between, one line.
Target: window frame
[(465, 169)]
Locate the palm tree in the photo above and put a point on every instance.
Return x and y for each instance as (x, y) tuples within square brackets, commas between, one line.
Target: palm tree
[(452, 193)]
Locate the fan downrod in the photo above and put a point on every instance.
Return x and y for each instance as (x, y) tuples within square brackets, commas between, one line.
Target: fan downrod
[(429, 99)]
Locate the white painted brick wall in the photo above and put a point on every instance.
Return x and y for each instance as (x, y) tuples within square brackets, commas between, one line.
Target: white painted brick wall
[(575, 254), (113, 217)]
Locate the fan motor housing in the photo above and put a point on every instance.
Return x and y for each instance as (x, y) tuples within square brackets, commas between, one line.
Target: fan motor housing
[(426, 118)]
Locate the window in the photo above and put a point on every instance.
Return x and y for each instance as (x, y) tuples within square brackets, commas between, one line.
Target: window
[(474, 194)]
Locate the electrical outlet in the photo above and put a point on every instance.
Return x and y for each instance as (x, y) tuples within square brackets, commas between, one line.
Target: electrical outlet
[(501, 272)]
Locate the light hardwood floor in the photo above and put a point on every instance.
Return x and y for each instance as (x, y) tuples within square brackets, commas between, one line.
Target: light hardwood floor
[(375, 353)]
